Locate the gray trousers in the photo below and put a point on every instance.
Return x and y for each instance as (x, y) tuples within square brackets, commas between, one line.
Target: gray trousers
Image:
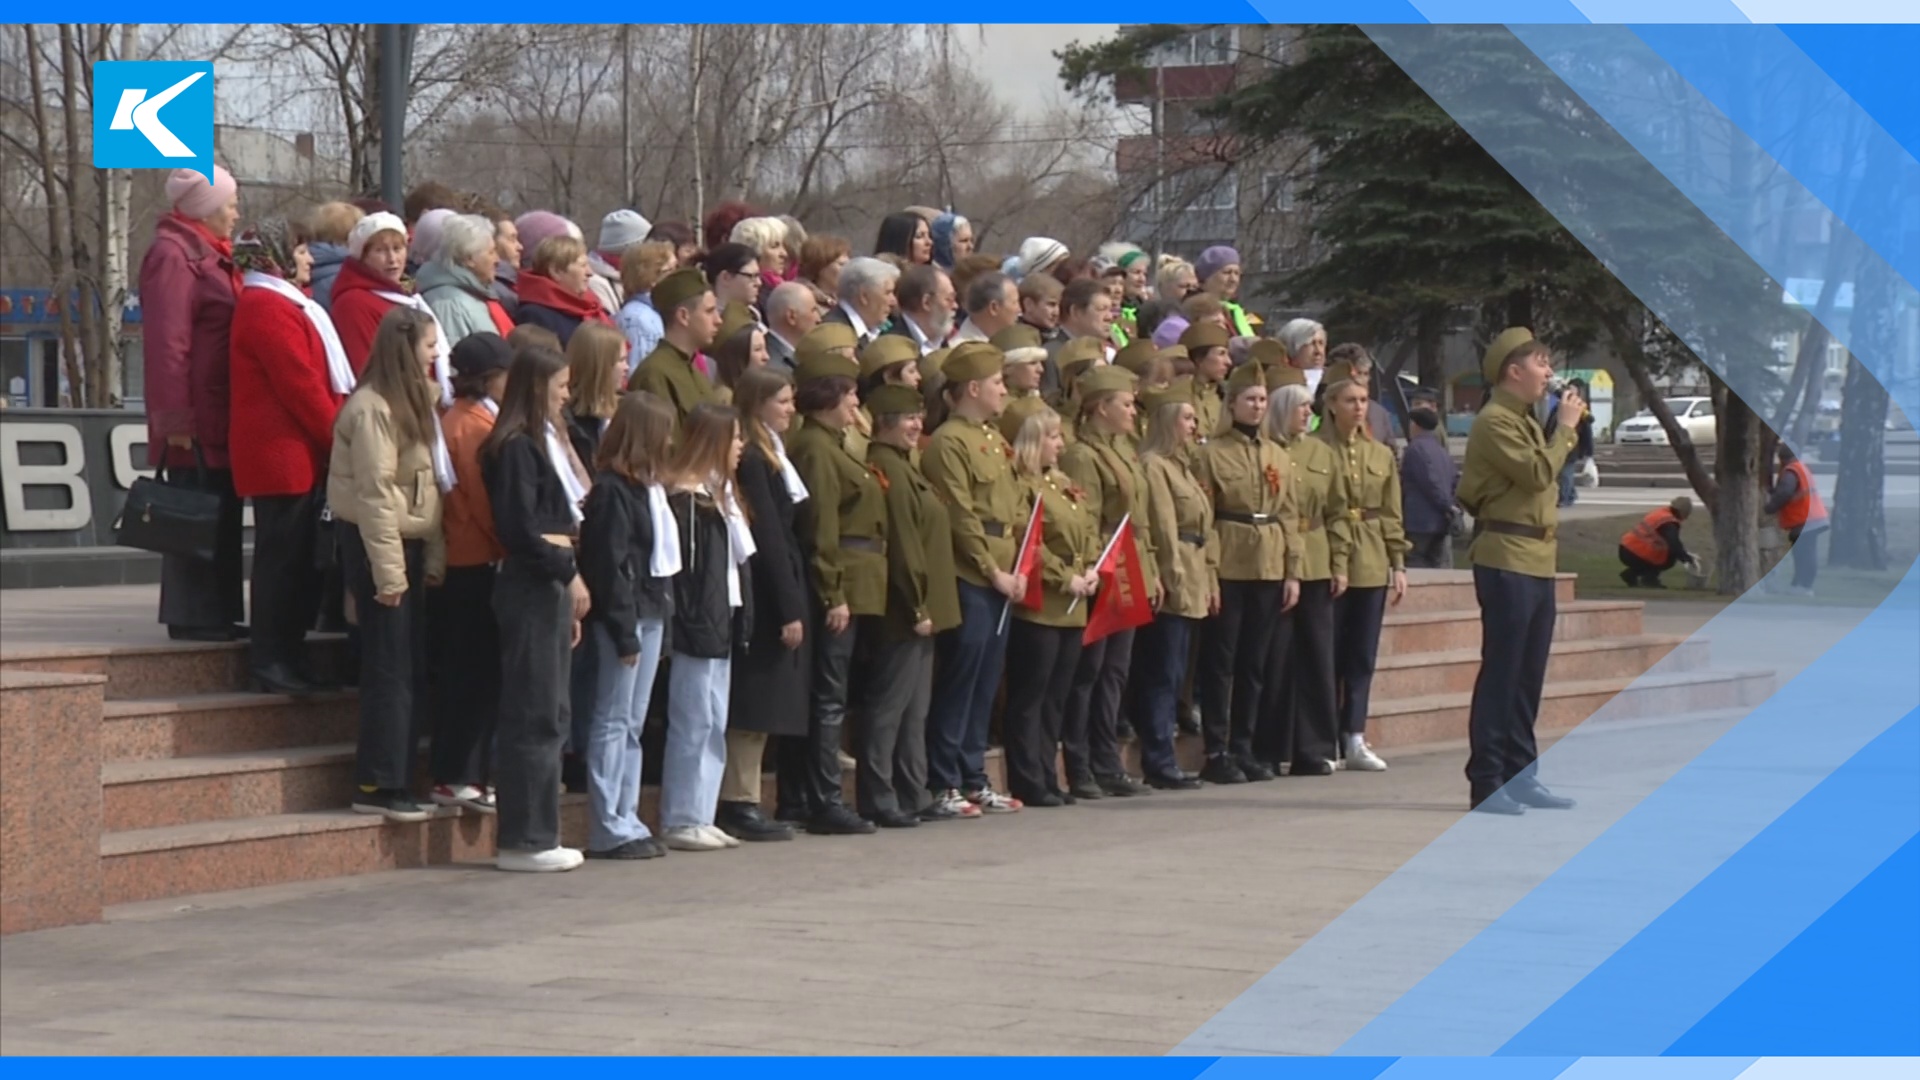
[(536, 624), (1430, 551), (892, 726)]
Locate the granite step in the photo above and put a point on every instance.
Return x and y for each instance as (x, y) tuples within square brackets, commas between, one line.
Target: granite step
[(149, 729), (1443, 717), (1454, 630), (215, 787), (1572, 660), (173, 669)]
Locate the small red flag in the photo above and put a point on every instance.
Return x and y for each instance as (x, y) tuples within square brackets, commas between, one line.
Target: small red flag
[(1028, 562), (1122, 602)]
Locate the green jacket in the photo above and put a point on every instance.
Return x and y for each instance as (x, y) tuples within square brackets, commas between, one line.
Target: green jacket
[(1180, 520), (1512, 475), (668, 373), (1071, 528), (843, 523), (1247, 477), (457, 299), (1369, 480), (1237, 315), (921, 583), (1322, 505), (1107, 468), (971, 468)]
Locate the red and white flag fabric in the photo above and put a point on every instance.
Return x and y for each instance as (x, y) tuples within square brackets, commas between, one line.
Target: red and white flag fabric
[(1027, 561), (1122, 602)]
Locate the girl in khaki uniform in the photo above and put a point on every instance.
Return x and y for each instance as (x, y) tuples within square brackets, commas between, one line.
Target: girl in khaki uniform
[(1249, 479), (1179, 521), (1045, 642), (1371, 572), (1300, 724), (1105, 465)]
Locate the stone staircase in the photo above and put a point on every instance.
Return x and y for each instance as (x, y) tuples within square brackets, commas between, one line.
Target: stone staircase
[(176, 782)]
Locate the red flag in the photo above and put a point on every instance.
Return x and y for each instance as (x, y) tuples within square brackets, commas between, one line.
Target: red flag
[(1122, 602), (1028, 561)]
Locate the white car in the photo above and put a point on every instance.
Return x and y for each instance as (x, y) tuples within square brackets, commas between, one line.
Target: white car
[(1694, 413)]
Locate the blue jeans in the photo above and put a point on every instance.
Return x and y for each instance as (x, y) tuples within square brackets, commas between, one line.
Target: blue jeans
[(1165, 645), (966, 678), (1567, 494), (620, 697), (696, 752), (582, 680)]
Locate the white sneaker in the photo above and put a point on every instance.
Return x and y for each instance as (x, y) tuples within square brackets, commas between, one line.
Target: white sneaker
[(993, 802), (693, 838), (464, 795), (720, 834), (1360, 756), (551, 861)]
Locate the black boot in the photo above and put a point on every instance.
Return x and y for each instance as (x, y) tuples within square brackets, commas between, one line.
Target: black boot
[(280, 678)]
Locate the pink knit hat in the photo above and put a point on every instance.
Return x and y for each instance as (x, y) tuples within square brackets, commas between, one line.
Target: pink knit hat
[(191, 196), (537, 225)]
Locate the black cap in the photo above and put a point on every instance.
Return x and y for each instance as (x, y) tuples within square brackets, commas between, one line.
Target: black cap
[(481, 353)]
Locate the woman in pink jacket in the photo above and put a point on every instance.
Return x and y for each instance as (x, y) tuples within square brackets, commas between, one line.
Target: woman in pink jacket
[(188, 283)]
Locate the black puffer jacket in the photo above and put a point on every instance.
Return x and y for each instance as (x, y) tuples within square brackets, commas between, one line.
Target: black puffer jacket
[(705, 624)]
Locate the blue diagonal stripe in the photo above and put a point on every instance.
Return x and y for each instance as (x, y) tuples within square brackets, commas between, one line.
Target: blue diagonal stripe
[(1660, 984), (1657, 11), (1447, 1068), (1499, 11), (1657, 1068)]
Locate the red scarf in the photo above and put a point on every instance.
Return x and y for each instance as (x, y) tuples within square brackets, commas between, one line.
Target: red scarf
[(537, 288), (221, 245), (498, 314)]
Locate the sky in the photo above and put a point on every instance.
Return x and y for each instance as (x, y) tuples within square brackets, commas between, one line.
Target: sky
[(1019, 59)]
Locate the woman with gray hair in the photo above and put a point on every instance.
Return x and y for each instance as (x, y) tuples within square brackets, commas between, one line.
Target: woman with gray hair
[(457, 283), (866, 297), (1297, 722), (1306, 343), (768, 239)]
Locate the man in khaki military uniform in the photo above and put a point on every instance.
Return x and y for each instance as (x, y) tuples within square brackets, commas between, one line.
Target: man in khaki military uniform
[(1510, 484), (971, 468), (692, 317)]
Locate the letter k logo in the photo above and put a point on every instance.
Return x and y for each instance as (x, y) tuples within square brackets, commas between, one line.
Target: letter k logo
[(144, 116), (135, 135)]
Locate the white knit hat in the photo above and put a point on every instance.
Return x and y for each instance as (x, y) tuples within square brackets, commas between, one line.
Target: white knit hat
[(1037, 253), (370, 226)]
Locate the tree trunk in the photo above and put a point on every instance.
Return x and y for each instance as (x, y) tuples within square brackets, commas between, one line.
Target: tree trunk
[(116, 220), (756, 105), (1859, 536), (1736, 511), (85, 315), (1633, 356), (699, 164), (50, 181)]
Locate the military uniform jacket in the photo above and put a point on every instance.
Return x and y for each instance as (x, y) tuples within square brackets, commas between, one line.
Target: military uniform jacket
[(1326, 532), (1107, 468), (843, 523), (971, 469), (667, 373), (1250, 481), (921, 584), (1186, 550), (1511, 475), (1208, 409), (1369, 477), (1071, 526)]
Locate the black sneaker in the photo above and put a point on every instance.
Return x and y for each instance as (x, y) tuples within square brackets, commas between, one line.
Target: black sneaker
[(394, 805), (1085, 789), (745, 821), (1310, 768), (938, 811), (1222, 770), (644, 847), (1044, 799), (896, 819), (1174, 782), (573, 774), (837, 820)]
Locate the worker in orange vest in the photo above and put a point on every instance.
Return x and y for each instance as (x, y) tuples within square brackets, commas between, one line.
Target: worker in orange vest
[(1653, 546), (1802, 514)]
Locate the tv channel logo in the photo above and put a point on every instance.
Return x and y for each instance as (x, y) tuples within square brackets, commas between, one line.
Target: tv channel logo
[(153, 114)]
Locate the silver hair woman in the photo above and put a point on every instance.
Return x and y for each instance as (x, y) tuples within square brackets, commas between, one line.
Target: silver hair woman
[(458, 283), (1306, 343)]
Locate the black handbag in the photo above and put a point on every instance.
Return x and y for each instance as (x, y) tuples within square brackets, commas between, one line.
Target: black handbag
[(169, 520)]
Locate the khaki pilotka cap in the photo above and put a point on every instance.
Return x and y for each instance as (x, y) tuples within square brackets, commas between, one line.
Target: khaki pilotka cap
[(1502, 347), (1205, 335), (885, 351), (824, 365), (1177, 392), (972, 361), (1016, 415), (1105, 378), (1136, 356), (894, 399), (1244, 378), (677, 288)]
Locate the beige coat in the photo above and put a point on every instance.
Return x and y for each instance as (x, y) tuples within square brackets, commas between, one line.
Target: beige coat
[(388, 493)]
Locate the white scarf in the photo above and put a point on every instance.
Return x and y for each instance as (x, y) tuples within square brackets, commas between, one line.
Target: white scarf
[(563, 467), (739, 540), (665, 560), (442, 348), (1313, 379), (339, 369), (796, 488)]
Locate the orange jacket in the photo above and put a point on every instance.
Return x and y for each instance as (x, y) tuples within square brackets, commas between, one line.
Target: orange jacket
[(1805, 505), (1645, 540), (468, 518)]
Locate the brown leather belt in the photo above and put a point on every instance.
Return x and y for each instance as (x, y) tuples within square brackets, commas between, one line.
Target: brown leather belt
[(1196, 539), (863, 543), (1311, 524), (994, 528), (1512, 528), (1364, 515), (1246, 519)]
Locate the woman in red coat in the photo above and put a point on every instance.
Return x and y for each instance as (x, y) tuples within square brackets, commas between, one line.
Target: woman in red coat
[(187, 287), (371, 284), (290, 373)]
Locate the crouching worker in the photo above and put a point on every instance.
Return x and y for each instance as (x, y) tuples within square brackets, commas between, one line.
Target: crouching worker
[(1653, 546)]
